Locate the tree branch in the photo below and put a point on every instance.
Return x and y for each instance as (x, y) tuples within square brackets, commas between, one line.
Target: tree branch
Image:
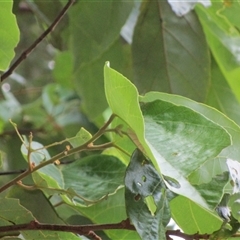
[(78, 229), (89, 230), (38, 40)]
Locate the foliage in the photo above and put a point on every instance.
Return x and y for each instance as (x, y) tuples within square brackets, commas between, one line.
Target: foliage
[(120, 120)]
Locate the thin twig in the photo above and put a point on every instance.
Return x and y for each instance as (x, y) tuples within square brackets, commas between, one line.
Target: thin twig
[(12, 172), (38, 40)]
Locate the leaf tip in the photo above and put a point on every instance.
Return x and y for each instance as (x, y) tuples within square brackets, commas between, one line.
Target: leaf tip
[(107, 64)]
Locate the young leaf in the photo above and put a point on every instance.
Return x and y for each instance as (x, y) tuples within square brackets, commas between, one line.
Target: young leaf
[(82, 137), (49, 175), (142, 181)]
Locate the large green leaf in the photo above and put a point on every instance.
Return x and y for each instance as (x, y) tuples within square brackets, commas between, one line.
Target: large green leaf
[(192, 218), (218, 165), (123, 97), (9, 34), (170, 54), (95, 176), (110, 210), (142, 181), (183, 137)]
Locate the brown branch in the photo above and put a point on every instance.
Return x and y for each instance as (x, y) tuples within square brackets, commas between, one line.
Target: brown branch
[(89, 230), (38, 40), (81, 229)]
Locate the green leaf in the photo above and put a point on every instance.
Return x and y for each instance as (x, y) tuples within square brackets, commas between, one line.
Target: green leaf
[(229, 12), (95, 29), (88, 77), (9, 33), (111, 210), (82, 137), (142, 181), (183, 137), (223, 39), (220, 95), (12, 212), (213, 190), (234, 205), (123, 98), (170, 54), (95, 26), (192, 218), (31, 200), (48, 176), (218, 165), (94, 177)]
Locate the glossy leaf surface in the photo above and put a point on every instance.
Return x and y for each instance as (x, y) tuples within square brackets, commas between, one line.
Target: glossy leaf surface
[(142, 181)]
